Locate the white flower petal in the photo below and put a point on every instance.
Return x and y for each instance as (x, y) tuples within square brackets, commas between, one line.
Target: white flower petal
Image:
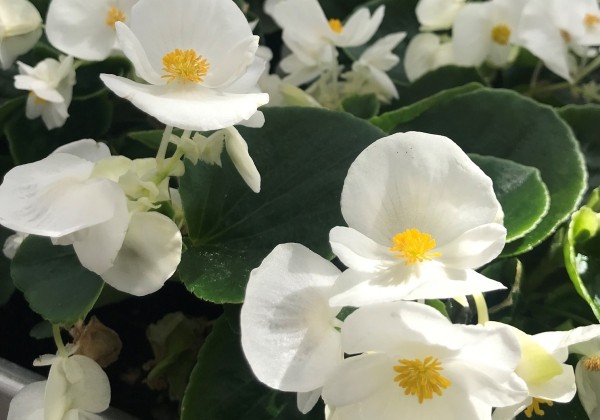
[(192, 107), (588, 384), (474, 248), (360, 27), (560, 388), (359, 252), (134, 51), (28, 404), (472, 33), (288, 333), (150, 254), (53, 197), (238, 152), (91, 390), (437, 14), (87, 149), (307, 400)]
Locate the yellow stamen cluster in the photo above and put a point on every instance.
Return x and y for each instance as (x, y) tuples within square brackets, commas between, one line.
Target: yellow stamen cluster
[(534, 407), (421, 377), (414, 246), (591, 363), (501, 34), (336, 25), (565, 35), (590, 20), (184, 66), (114, 15)]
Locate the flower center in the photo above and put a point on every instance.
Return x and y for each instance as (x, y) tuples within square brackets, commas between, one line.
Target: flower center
[(501, 34), (565, 35), (590, 20), (185, 66), (591, 363), (534, 407), (37, 99), (114, 15), (421, 378), (414, 246), (336, 25)]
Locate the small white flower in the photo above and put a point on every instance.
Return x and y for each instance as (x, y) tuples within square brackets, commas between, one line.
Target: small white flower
[(86, 29), (12, 244), (288, 328), (486, 31), (376, 60), (410, 362), (76, 388), (20, 29), (50, 84), (421, 217), (199, 60), (434, 15), (427, 52)]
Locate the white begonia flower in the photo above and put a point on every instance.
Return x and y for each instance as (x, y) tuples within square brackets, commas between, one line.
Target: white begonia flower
[(288, 329), (421, 218), (76, 388), (50, 84), (86, 29), (312, 38), (542, 367), (20, 29), (412, 362), (427, 52), (376, 60), (198, 57), (434, 15), (551, 29), (486, 31)]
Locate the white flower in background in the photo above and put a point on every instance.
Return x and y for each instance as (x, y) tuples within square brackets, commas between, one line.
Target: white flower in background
[(76, 388), (411, 362), (427, 52), (421, 217), (434, 15), (542, 368), (550, 29), (86, 29), (67, 198), (20, 29), (373, 64), (12, 244), (50, 84), (198, 57), (289, 331), (312, 38), (486, 31)]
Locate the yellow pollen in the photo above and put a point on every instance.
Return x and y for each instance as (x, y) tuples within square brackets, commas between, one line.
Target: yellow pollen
[(534, 407), (566, 36), (501, 34), (590, 20), (185, 66), (414, 246), (421, 378), (336, 26), (114, 15), (591, 363)]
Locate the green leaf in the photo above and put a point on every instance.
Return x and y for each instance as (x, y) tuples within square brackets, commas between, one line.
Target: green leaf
[(30, 140), (521, 192), (303, 155), (388, 121), (504, 124), (583, 119), (361, 106), (222, 386), (9, 107), (53, 281), (582, 254), (88, 75)]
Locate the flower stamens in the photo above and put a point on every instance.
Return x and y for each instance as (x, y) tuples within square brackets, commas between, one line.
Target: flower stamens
[(591, 363), (534, 407), (114, 15), (185, 66), (501, 34), (336, 25), (414, 246), (590, 20), (421, 377)]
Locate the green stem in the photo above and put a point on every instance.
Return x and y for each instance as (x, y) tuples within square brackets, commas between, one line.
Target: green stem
[(482, 309), (166, 169), (62, 351)]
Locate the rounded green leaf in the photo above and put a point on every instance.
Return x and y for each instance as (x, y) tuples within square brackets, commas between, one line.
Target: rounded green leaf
[(521, 192), (506, 125), (303, 155), (53, 281)]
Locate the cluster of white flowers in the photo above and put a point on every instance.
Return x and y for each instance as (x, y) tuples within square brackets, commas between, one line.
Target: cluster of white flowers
[(312, 40), (561, 33), (421, 218)]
